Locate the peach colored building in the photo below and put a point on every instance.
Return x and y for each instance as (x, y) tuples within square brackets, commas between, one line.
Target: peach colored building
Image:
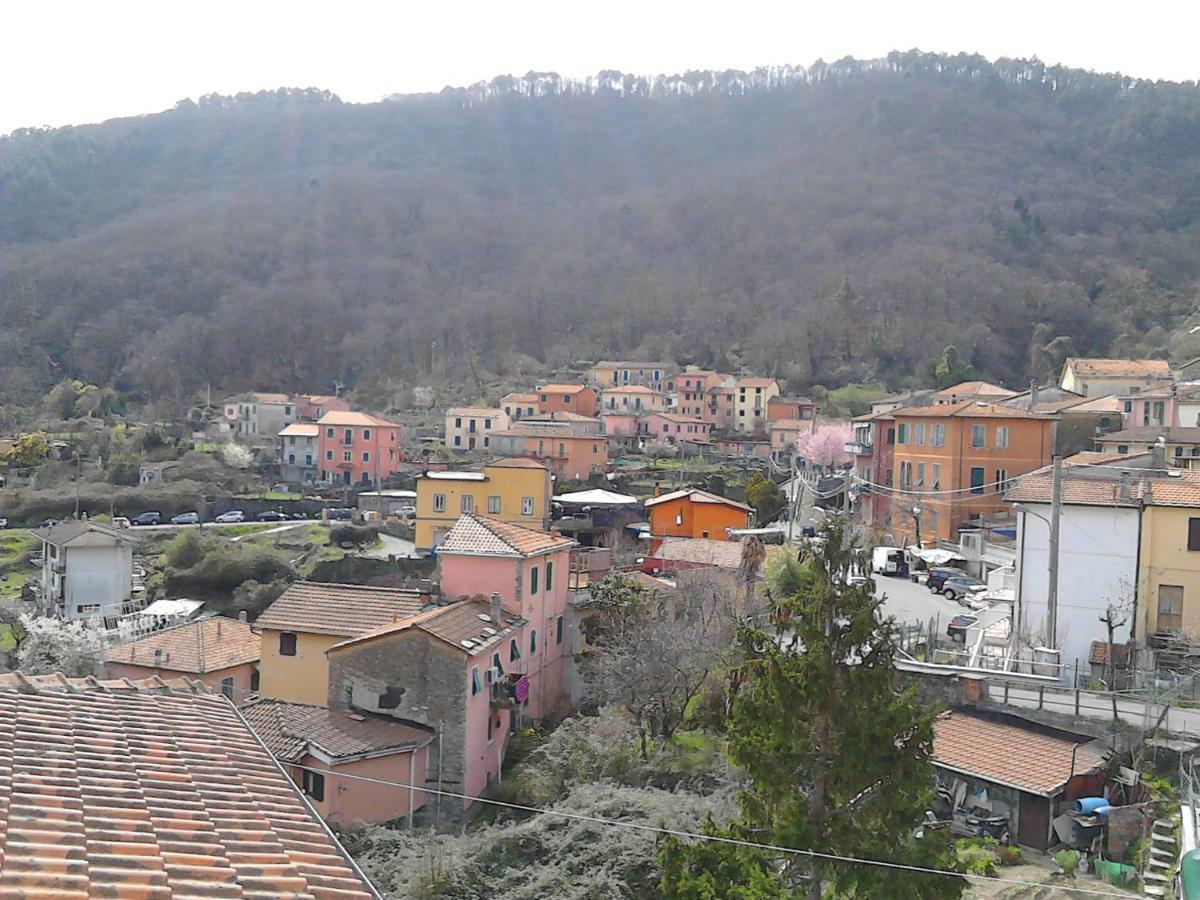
[(673, 429), (719, 407), (781, 408), (633, 399), (357, 448), (520, 405), (470, 427), (346, 742), (222, 653), (694, 513), (573, 398), (689, 391), (750, 399), (620, 424), (569, 456), (311, 407)]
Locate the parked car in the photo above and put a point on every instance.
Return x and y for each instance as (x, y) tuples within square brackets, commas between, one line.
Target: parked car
[(120, 522), (147, 518), (230, 517), (299, 516), (938, 576), (187, 518), (961, 587), (957, 629), (407, 512), (48, 523), (271, 516), (3, 522), (343, 512)]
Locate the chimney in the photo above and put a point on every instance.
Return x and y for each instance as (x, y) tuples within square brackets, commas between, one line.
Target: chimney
[(218, 627), (1158, 453), (496, 609), (158, 656), (425, 591), (1033, 394), (657, 489), (243, 616)]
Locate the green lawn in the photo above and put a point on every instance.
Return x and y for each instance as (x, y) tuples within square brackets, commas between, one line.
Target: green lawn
[(245, 528), (15, 547), (267, 495)]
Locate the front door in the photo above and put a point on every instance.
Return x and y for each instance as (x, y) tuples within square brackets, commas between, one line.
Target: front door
[(346, 476), (1033, 814)]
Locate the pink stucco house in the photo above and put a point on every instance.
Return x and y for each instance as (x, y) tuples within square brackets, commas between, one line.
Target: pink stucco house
[(474, 667), (671, 428), (357, 448), (719, 406)]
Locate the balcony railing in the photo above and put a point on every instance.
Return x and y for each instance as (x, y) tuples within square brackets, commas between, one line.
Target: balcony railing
[(859, 448)]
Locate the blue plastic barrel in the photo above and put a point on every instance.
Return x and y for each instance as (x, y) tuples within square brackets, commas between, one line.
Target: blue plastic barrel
[(1088, 805)]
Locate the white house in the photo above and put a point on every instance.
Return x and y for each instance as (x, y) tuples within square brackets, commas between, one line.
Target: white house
[(87, 571), (1097, 558)]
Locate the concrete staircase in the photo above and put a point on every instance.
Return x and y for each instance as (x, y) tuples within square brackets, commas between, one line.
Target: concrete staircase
[(1161, 858)]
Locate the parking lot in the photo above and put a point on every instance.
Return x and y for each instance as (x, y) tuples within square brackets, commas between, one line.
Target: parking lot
[(912, 602)]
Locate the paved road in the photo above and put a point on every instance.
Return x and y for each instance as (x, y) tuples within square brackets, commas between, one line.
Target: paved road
[(1180, 720), (392, 546), (912, 602)]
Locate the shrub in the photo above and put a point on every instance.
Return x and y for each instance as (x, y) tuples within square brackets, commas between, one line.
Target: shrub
[(353, 534), (976, 859), (187, 549), (1009, 856), (1068, 861)]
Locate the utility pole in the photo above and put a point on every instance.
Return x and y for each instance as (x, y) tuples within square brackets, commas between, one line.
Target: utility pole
[(1052, 590)]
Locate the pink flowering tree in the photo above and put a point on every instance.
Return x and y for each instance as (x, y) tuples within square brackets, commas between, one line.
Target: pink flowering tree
[(827, 445)]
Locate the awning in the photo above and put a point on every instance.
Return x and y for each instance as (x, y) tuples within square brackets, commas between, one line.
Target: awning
[(596, 497), (937, 557)]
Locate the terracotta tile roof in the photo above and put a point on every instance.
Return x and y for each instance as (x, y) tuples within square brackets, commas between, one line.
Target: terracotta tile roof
[(562, 388), (290, 729), (465, 625), (695, 495), (1011, 751), (701, 551), (264, 397), (474, 411), (754, 382), (517, 463), (519, 397), (976, 389), (476, 535), (1174, 435), (345, 610), (1098, 404), (681, 419), (559, 431), (626, 364), (967, 409), (206, 645), (1119, 368), (66, 532), (560, 415), (344, 417), (301, 429), (151, 789), (1035, 488), (1177, 490), (630, 389)]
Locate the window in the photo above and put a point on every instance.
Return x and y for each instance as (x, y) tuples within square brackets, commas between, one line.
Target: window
[(491, 729), (938, 438), (313, 784), (533, 579), (476, 684), (514, 651), (329, 455), (544, 398), (291, 459), (527, 506), (549, 574), (254, 680), (1002, 437), (458, 440), (458, 421), (439, 502), (227, 687), (366, 434), (308, 459), (493, 506), (921, 475), (1179, 451), (1001, 480), (366, 456), (902, 433), (328, 432), (905, 475), (466, 504), (532, 641), (562, 450), (1170, 607), (977, 478), (933, 520), (487, 426), (348, 436), (919, 434), (1122, 449), (1128, 406), (558, 630), (891, 436), (978, 436), (1194, 534), (936, 483), (287, 643)]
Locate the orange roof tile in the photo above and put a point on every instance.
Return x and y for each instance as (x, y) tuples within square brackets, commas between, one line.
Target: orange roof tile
[(290, 729), (695, 495), (206, 645), (630, 389), (473, 411), (1011, 751), (754, 382), (465, 625), (701, 551), (1119, 368), (967, 409), (520, 397), (477, 535), (1141, 434), (344, 610), (562, 388), (151, 789), (1035, 488), (345, 417), (515, 463), (976, 389)]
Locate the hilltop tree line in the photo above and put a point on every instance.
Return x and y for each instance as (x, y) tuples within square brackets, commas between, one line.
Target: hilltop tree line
[(828, 225)]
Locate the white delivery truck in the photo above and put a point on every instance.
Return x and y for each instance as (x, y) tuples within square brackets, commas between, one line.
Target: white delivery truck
[(887, 560)]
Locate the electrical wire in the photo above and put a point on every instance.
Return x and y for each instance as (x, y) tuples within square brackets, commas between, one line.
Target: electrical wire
[(675, 832)]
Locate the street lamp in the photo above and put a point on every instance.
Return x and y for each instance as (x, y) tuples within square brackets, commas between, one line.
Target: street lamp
[(916, 514)]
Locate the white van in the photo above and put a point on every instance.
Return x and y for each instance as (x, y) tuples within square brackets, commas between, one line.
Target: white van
[(886, 560)]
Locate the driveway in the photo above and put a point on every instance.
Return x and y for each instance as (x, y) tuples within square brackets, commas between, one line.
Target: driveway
[(908, 601), (392, 546)]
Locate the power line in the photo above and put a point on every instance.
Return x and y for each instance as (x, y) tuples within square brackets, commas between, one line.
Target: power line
[(674, 832)]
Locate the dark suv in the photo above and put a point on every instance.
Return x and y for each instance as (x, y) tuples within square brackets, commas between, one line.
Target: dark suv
[(147, 518), (938, 576)]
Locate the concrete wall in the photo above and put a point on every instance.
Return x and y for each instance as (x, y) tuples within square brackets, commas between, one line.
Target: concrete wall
[(101, 575), (349, 803), (1098, 549), (241, 676), (302, 678)]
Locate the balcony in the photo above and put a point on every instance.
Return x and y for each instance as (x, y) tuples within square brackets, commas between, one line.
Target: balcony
[(506, 694), (860, 448)]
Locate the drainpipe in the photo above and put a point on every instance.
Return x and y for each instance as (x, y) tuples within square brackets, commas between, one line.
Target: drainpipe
[(412, 790), (437, 814)]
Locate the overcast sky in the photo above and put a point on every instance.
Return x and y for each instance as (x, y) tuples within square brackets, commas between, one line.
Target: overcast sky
[(73, 62)]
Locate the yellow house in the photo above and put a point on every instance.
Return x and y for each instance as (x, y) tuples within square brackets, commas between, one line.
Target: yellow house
[(750, 397), (516, 491), (308, 619), (1169, 561), (619, 373)]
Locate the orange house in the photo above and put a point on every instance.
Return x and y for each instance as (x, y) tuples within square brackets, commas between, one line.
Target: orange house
[(694, 513), (576, 398), (570, 456), (954, 462)]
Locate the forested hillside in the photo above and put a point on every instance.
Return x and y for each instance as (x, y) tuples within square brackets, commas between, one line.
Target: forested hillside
[(825, 225)]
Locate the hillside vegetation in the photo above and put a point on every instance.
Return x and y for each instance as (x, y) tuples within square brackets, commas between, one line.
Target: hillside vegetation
[(834, 224)]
